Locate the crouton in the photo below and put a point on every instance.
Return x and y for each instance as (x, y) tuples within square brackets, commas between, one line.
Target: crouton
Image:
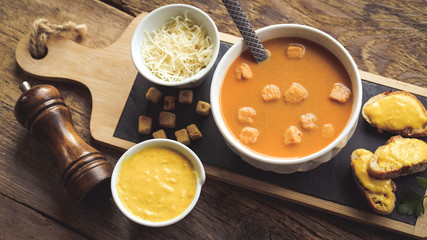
[(194, 132), (328, 130), (270, 93), (186, 96), (245, 115), (295, 51), (159, 134), (248, 135), (144, 125), (340, 93), (292, 135), (169, 103), (295, 94), (167, 119), (153, 95), (308, 121), (243, 71), (203, 108), (182, 136)]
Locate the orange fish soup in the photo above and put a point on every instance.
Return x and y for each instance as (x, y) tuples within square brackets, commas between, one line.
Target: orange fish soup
[(291, 105)]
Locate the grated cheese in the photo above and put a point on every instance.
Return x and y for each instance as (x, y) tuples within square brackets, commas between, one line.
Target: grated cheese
[(177, 50)]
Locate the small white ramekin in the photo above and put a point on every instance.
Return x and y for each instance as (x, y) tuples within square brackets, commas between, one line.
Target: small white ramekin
[(282, 165), (166, 143), (158, 17)]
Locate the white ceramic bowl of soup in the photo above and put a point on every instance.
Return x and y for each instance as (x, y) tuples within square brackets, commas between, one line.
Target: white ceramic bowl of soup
[(162, 143), (288, 165), (155, 20)]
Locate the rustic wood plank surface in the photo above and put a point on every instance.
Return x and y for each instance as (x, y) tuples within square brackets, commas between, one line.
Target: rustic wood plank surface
[(29, 223), (387, 38)]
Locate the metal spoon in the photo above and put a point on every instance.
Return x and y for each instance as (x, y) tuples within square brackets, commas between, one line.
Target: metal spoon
[(236, 12)]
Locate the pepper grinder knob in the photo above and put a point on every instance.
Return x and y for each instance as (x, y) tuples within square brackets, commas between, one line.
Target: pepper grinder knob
[(84, 171), (24, 86)]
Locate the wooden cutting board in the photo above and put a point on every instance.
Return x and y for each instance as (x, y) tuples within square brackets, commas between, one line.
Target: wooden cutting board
[(109, 74)]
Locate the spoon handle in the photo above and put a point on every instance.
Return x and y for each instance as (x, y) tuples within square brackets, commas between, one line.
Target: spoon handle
[(245, 28)]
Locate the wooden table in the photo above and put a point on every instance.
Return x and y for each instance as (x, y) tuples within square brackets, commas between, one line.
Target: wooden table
[(387, 38)]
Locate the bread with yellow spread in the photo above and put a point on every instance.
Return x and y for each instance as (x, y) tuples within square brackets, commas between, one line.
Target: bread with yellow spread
[(379, 193), (398, 157), (397, 112)]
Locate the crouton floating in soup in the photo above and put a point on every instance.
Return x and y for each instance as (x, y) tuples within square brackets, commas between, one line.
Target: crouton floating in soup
[(308, 121), (248, 135), (340, 93), (243, 71), (245, 115), (270, 93), (303, 74), (295, 51), (292, 135), (328, 130), (295, 94)]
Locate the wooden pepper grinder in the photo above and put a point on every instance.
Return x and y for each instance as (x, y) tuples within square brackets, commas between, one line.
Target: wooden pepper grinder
[(84, 171)]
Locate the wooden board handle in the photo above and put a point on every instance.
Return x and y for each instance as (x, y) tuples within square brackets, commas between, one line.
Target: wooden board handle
[(108, 73), (67, 60)]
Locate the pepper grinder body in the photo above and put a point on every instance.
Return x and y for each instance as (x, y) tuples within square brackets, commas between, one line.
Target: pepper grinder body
[(84, 171)]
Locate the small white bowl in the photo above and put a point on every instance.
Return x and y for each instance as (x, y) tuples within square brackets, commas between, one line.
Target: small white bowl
[(166, 143), (158, 17), (282, 165)]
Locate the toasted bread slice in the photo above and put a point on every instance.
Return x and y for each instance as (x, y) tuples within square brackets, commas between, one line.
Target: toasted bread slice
[(398, 157), (402, 113), (379, 193)]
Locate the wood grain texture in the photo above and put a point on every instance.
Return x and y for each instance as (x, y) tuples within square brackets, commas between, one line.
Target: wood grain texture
[(84, 171), (64, 55), (29, 175), (384, 37), (21, 222)]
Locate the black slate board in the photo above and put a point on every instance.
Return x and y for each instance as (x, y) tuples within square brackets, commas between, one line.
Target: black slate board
[(330, 181)]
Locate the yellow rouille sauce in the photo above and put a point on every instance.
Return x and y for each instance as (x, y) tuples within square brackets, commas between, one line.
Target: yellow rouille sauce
[(373, 185), (406, 152), (156, 184), (396, 112)]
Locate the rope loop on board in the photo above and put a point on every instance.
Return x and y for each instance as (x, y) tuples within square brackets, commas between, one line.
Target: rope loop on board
[(42, 30)]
